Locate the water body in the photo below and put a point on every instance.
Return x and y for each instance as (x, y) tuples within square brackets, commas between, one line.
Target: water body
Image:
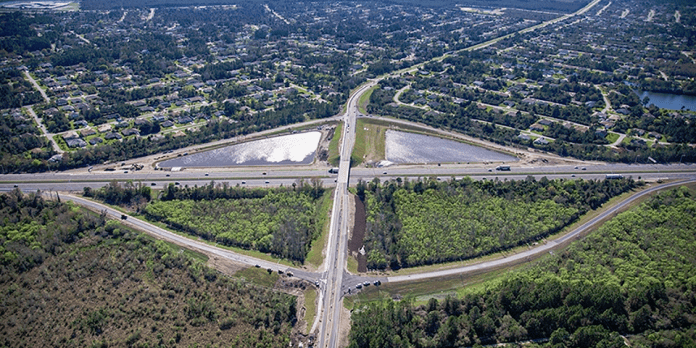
[(669, 101), (402, 147), (283, 150)]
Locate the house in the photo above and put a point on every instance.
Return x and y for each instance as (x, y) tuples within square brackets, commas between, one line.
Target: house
[(113, 135), (541, 141), (95, 141), (509, 103), (602, 133), (81, 123), (655, 135), (523, 137), (104, 128), (184, 120), (167, 124), (70, 136), (76, 143), (130, 131), (87, 132), (536, 128), (545, 122)]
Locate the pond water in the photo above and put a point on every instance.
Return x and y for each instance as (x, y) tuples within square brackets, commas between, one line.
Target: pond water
[(669, 101), (402, 147), (288, 149)]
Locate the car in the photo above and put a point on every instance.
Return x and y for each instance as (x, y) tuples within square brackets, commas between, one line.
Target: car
[(243, 182), (168, 175), (125, 172), (15, 185), (490, 170), (366, 284), (290, 274), (177, 183), (264, 173), (576, 167), (257, 266), (153, 184), (583, 168), (206, 174), (267, 182), (572, 176), (377, 282), (385, 173), (359, 286)]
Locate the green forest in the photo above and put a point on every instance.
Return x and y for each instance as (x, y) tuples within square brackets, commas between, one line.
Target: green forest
[(70, 278), (428, 221), (630, 283), (282, 221)]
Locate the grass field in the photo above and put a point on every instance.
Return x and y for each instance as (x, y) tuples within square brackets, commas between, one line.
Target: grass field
[(369, 141), (365, 99), (310, 306), (334, 154), (314, 256), (258, 276)]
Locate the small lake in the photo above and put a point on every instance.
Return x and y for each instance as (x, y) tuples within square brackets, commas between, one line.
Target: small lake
[(402, 147), (283, 150), (669, 101)]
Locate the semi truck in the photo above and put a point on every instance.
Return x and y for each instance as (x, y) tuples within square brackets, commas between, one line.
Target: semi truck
[(507, 168)]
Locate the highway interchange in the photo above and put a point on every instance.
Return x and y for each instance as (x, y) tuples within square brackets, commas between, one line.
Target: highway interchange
[(332, 278)]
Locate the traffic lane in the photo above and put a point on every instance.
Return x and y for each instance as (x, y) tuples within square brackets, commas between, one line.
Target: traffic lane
[(74, 186), (499, 176), (127, 174), (479, 168), (292, 175)]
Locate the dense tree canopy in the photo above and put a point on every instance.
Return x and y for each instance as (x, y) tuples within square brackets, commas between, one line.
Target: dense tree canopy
[(424, 222)]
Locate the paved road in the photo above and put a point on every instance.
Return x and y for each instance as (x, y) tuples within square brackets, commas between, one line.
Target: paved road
[(335, 261)]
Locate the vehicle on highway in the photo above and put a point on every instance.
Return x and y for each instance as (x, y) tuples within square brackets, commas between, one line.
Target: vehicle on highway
[(366, 284), (333, 170), (614, 176), (502, 168), (267, 182), (377, 282), (384, 173), (168, 175), (124, 217), (177, 183), (243, 182), (153, 184), (206, 174), (583, 168)]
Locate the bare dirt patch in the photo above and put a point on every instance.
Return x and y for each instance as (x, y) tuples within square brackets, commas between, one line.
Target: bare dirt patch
[(224, 266), (356, 239)]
